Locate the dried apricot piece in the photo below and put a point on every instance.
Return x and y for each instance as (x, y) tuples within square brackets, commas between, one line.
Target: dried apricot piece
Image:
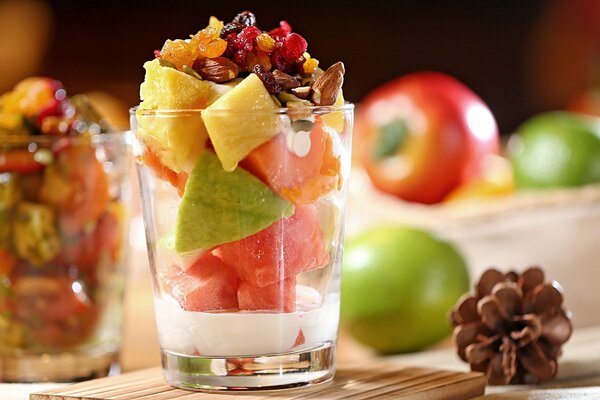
[(209, 44), (179, 53)]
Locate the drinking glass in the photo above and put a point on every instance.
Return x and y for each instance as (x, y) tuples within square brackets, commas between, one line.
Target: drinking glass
[(255, 307), (63, 230)]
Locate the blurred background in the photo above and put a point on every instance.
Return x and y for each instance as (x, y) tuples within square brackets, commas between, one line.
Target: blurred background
[(521, 57)]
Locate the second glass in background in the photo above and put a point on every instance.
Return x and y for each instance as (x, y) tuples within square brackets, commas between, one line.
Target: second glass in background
[(63, 239)]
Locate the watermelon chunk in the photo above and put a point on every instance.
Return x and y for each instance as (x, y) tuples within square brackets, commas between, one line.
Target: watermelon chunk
[(208, 285), (286, 248), (300, 180), (280, 296)]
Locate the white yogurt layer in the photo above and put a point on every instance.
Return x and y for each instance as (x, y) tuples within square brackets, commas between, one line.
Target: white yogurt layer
[(246, 333)]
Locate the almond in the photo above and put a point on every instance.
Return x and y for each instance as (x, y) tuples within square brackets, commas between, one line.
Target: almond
[(218, 69), (327, 86), (302, 92), (284, 80)]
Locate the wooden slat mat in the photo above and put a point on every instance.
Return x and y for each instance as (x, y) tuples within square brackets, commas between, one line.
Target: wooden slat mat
[(372, 381)]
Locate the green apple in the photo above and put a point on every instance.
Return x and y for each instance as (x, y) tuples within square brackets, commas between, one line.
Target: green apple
[(398, 285), (556, 149)]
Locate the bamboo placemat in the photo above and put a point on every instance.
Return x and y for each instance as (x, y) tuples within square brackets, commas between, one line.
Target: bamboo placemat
[(369, 381)]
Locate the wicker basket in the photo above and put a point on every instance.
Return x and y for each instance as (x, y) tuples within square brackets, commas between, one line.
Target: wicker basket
[(557, 229)]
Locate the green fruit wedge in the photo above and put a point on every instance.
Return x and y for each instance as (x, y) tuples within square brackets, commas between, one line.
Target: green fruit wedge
[(398, 284), (556, 149), (220, 207)]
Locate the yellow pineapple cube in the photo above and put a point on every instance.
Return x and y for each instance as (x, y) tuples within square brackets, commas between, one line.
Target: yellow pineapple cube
[(179, 138), (335, 119), (241, 120), (167, 88)]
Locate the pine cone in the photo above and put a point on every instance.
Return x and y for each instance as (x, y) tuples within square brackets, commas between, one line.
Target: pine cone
[(513, 328)]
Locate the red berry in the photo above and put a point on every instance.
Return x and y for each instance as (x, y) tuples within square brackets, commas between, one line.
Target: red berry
[(246, 36), (240, 58), (279, 62), (280, 33), (230, 50), (156, 53), (299, 66), (293, 47)]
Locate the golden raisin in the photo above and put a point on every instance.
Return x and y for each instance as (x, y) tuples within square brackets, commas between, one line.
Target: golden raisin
[(259, 58), (215, 23), (179, 52), (209, 44), (251, 61), (264, 60), (265, 42), (310, 64)]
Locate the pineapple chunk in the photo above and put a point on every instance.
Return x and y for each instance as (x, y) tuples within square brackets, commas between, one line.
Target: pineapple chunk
[(177, 139), (241, 120), (167, 88), (335, 119)]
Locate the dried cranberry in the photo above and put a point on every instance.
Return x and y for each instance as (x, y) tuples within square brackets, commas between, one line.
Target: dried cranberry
[(246, 18), (240, 58), (279, 62), (268, 79), (293, 47), (232, 27), (156, 53), (299, 66), (230, 50), (280, 33), (246, 36)]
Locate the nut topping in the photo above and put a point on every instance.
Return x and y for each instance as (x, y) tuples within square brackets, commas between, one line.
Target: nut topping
[(327, 87), (284, 80), (301, 92), (219, 69)]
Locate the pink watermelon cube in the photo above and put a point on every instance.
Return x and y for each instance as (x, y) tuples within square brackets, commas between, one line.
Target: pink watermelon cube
[(283, 250), (279, 296), (208, 285)]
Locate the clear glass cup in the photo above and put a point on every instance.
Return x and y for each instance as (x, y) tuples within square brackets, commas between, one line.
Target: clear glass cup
[(256, 306), (63, 230)]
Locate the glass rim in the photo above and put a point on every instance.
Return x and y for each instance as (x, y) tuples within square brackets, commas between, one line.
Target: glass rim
[(98, 138), (347, 106)]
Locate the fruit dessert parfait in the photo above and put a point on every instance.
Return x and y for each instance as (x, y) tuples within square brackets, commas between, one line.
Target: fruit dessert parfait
[(62, 225), (244, 152)]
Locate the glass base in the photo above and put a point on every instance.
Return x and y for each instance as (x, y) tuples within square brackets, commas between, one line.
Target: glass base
[(281, 371), (60, 367)]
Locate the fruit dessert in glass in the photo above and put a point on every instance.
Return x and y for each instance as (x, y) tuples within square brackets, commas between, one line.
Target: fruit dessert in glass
[(244, 155), (62, 235)]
